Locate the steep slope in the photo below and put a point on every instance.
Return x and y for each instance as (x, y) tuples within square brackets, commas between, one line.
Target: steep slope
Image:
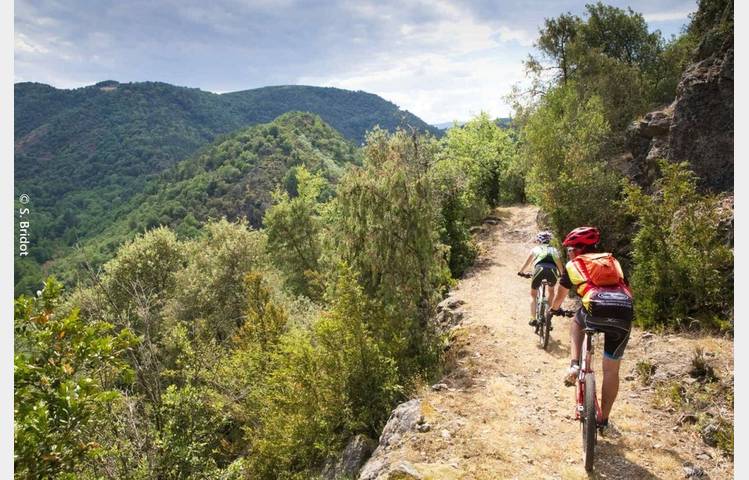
[(233, 178), (81, 154), (503, 412)]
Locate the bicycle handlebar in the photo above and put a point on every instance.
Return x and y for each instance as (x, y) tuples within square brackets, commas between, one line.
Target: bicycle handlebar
[(526, 275)]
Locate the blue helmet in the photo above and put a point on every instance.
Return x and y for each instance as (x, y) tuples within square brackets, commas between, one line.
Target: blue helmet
[(543, 237)]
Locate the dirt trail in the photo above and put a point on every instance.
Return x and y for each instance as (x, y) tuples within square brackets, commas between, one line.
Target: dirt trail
[(506, 413)]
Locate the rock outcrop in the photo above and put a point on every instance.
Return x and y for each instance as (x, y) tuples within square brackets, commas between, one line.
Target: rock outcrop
[(348, 464), (696, 128)]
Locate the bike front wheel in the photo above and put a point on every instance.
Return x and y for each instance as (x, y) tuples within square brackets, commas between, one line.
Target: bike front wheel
[(546, 329), (542, 328), (589, 422)]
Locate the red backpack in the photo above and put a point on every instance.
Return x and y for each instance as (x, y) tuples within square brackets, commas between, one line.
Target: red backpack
[(604, 294)]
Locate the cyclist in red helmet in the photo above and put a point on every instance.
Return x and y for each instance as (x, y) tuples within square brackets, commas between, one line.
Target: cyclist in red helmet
[(606, 305)]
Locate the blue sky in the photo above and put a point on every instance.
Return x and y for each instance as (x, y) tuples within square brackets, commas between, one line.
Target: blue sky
[(442, 60)]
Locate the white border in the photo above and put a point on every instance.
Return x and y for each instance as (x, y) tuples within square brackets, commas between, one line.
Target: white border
[(6, 223), (741, 329)]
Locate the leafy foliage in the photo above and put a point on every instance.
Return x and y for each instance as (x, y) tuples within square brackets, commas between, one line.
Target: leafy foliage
[(385, 222), (294, 226), (683, 270), (568, 179), (612, 54), (65, 369)]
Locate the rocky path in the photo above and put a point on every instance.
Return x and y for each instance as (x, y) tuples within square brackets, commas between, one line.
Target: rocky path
[(502, 410)]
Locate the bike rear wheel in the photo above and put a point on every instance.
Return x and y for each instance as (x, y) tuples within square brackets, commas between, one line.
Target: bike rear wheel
[(545, 330), (589, 421)]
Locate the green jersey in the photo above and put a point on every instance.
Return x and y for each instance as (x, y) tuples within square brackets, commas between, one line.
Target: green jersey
[(545, 254)]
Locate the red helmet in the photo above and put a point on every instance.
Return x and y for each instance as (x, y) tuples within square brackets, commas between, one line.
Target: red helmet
[(582, 237)]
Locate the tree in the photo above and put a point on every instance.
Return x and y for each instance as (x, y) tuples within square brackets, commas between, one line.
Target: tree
[(569, 178), (293, 226), (385, 224), (64, 371), (555, 41)]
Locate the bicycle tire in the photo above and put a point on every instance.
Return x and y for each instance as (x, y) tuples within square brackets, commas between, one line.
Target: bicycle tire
[(589, 422), (540, 314), (545, 330)]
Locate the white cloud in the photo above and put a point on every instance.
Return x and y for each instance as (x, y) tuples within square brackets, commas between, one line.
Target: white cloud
[(24, 44), (523, 37), (448, 68), (667, 16)]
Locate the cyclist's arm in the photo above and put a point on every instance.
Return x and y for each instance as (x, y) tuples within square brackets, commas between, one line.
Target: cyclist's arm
[(527, 261), (559, 265), (564, 287), (559, 297)]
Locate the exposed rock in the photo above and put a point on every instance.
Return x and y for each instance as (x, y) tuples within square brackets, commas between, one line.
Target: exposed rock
[(411, 416), (404, 471), (655, 124), (405, 417), (351, 459), (439, 386), (423, 428), (702, 128), (450, 303), (696, 128), (710, 434), (690, 471)]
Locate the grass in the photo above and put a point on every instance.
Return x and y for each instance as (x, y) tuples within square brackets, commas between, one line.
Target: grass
[(645, 371)]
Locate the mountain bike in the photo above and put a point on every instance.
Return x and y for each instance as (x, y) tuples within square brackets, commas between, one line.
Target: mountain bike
[(587, 408), (543, 320)]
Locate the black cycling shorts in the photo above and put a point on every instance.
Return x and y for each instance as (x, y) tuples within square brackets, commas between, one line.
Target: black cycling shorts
[(544, 271), (615, 332)]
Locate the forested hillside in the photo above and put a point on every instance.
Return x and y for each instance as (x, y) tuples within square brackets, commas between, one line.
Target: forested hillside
[(234, 178), (81, 155)]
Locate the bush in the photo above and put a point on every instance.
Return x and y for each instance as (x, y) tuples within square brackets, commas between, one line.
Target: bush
[(293, 226), (327, 383), (64, 372), (683, 269), (384, 223)]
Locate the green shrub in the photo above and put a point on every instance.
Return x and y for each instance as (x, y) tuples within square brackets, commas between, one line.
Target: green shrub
[(293, 226), (327, 383), (683, 270), (64, 371), (384, 223)]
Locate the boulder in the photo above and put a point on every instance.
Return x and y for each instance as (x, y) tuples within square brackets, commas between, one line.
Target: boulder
[(348, 464), (655, 124), (404, 418)]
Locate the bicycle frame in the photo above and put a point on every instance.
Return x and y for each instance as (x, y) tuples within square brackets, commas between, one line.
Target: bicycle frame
[(586, 358), (541, 297)]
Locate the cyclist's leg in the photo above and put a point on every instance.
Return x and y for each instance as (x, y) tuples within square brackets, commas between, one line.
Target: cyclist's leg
[(534, 298), (615, 341), (610, 387), (576, 336), (535, 283)]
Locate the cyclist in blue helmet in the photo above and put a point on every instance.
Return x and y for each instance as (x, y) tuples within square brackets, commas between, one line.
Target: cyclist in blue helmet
[(546, 266)]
